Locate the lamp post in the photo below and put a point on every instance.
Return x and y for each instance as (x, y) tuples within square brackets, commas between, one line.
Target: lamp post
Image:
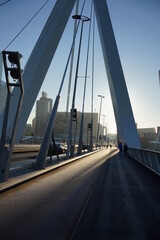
[(103, 136), (93, 50), (83, 19), (70, 75), (84, 94), (99, 118)]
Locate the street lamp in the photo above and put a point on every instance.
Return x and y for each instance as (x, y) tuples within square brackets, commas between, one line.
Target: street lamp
[(103, 136), (89, 129), (84, 95), (99, 118), (83, 19), (93, 50)]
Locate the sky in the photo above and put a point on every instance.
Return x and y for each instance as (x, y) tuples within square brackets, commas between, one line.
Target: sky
[(137, 32)]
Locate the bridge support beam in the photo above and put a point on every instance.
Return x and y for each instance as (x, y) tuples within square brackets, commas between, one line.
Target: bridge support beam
[(38, 64), (126, 126)]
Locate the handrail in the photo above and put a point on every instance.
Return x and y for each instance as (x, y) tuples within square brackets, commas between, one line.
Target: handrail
[(151, 159)]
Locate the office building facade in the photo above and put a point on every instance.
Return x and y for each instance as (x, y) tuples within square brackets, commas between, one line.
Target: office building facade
[(3, 95), (62, 127), (43, 111)]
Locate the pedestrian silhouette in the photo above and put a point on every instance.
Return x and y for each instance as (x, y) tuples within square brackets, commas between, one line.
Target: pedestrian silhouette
[(125, 150), (120, 148)]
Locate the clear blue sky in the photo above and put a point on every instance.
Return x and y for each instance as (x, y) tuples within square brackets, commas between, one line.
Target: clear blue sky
[(137, 32)]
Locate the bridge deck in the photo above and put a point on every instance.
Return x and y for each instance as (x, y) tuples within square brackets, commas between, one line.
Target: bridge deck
[(125, 204), (104, 199)]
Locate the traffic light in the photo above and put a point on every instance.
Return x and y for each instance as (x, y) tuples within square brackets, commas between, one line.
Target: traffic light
[(12, 72), (74, 114), (89, 126), (15, 73), (14, 59)]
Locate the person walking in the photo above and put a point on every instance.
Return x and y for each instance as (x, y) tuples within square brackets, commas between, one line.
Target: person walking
[(125, 150), (120, 148)]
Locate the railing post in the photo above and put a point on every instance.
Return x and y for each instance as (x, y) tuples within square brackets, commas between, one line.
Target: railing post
[(150, 161), (157, 162), (148, 158)]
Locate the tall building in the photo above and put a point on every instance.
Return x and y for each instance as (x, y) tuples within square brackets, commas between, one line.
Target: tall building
[(1, 68), (43, 111), (3, 89), (3, 95)]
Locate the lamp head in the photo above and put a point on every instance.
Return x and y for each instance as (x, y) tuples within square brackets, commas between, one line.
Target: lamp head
[(76, 17), (81, 17), (101, 96)]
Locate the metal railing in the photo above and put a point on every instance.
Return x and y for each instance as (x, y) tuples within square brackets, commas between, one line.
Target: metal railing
[(151, 159)]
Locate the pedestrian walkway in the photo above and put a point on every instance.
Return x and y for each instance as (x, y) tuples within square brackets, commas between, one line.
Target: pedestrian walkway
[(124, 204)]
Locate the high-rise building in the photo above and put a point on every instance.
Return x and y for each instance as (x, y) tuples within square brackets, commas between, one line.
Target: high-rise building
[(3, 89), (3, 95), (43, 111), (1, 68)]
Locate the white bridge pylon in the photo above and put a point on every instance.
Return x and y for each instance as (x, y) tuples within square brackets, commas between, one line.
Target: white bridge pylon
[(43, 53), (126, 127)]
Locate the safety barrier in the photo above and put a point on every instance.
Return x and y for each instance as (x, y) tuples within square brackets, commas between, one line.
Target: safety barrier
[(150, 159)]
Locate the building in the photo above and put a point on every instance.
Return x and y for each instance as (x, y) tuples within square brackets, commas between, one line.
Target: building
[(28, 130), (62, 127), (3, 95), (158, 130), (3, 89), (43, 111), (146, 135), (34, 125)]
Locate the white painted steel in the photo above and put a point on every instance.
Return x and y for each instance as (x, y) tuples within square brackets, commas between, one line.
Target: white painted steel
[(1, 66), (144, 158), (150, 160), (41, 158), (43, 52), (153, 162), (38, 63), (126, 127), (158, 164)]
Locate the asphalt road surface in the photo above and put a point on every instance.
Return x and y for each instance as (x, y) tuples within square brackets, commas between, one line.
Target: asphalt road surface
[(93, 198), (48, 207)]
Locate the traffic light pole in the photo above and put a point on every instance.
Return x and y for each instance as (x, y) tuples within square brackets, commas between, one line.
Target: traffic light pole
[(6, 149)]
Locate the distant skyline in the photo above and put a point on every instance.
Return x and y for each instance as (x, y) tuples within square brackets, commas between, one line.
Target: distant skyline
[(137, 33)]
